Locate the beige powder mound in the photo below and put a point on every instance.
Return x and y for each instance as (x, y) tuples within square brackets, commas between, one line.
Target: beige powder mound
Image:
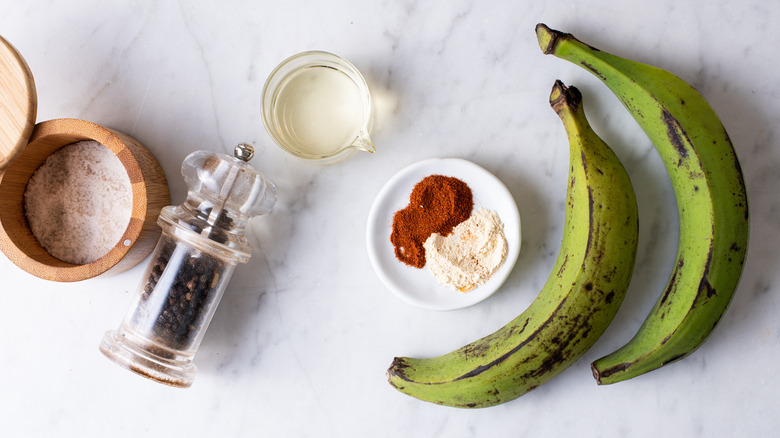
[(470, 255), (79, 202)]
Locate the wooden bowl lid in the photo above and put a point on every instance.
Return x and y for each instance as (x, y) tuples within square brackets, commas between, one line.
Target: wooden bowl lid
[(18, 103)]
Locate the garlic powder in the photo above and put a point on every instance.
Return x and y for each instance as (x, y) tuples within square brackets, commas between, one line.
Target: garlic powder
[(470, 254)]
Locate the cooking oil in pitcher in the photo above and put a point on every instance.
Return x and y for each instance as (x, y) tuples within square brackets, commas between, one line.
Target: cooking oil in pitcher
[(319, 110), (317, 106)]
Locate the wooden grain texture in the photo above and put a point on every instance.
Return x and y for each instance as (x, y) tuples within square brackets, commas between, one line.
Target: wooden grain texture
[(149, 189), (18, 103)]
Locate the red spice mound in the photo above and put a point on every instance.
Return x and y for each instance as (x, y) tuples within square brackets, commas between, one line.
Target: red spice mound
[(437, 205)]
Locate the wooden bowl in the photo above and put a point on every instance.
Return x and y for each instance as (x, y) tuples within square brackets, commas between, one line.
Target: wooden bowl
[(149, 190)]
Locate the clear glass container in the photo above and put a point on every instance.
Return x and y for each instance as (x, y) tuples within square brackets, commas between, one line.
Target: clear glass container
[(201, 244), (317, 106)]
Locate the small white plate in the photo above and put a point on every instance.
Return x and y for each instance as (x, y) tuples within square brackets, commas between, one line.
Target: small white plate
[(418, 286)]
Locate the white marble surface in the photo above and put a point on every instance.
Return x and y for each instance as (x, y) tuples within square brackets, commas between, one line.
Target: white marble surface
[(301, 341)]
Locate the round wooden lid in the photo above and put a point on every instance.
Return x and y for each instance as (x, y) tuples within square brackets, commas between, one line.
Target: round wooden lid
[(18, 103)]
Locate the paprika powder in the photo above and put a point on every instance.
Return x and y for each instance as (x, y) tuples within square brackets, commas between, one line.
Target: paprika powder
[(437, 204)]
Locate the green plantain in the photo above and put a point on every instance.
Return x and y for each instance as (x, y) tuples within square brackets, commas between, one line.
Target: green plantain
[(712, 205), (579, 300)]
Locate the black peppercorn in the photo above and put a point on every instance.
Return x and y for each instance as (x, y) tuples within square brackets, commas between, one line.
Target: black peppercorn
[(184, 295)]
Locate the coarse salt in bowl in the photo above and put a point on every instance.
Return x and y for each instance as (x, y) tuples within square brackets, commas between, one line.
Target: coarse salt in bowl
[(79, 202), (128, 245)]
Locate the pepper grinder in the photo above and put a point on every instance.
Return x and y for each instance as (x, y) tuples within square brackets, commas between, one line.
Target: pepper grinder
[(202, 242)]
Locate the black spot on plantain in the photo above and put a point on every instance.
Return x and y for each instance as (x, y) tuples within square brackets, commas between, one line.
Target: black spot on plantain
[(530, 357), (397, 369), (563, 265), (399, 364), (580, 328), (525, 324), (671, 285), (585, 331), (676, 134), (610, 273), (589, 286), (705, 288), (738, 168), (549, 363), (674, 358), (609, 371), (584, 161), (477, 348), (482, 368), (610, 296), (593, 70), (590, 221)]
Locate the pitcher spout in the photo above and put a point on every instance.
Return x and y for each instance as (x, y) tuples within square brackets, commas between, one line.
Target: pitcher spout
[(363, 143)]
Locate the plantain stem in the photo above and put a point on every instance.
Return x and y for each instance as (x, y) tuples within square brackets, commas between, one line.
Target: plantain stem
[(548, 38), (563, 97)]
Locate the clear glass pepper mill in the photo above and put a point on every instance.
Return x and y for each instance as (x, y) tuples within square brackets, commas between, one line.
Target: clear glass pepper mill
[(202, 242)]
